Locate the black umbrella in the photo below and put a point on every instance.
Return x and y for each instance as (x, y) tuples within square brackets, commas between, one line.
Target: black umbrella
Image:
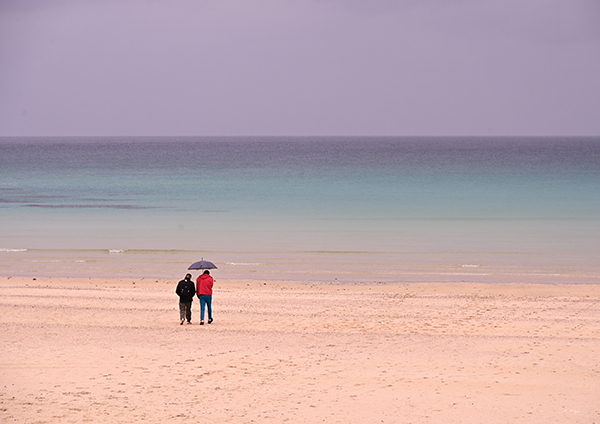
[(203, 265)]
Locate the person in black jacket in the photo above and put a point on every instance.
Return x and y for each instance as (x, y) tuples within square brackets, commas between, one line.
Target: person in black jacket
[(186, 291)]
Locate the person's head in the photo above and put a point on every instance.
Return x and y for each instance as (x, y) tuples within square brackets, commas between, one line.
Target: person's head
[(188, 276), (206, 272)]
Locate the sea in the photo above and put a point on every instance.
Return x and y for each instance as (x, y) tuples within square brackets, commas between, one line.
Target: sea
[(354, 210)]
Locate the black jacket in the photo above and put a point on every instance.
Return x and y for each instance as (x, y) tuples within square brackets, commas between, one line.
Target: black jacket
[(186, 291)]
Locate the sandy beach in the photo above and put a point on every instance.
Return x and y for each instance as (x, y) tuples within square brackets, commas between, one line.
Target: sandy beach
[(112, 350)]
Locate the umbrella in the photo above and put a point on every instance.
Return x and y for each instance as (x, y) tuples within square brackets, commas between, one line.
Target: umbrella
[(203, 265)]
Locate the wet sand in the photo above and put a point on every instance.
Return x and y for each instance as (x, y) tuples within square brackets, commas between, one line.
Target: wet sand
[(112, 350)]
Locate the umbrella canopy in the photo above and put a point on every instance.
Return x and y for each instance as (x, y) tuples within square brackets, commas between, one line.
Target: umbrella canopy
[(203, 265)]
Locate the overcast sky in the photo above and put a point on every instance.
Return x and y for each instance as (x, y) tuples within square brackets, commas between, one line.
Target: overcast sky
[(299, 67)]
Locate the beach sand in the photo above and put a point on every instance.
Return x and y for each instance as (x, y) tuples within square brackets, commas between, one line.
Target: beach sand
[(112, 351)]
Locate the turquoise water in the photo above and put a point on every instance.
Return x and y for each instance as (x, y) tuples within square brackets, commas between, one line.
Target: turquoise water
[(368, 209)]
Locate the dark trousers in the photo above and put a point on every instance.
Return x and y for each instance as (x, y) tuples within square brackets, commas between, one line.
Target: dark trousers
[(185, 311)]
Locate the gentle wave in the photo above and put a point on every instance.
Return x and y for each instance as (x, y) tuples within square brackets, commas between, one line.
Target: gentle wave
[(56, 261), (107, 250), (35, 205)]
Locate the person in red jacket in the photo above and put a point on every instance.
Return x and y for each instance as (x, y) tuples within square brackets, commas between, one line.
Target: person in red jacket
[(204, 285)]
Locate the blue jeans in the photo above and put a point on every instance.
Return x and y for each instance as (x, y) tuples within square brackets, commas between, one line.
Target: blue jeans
[(205, 299)]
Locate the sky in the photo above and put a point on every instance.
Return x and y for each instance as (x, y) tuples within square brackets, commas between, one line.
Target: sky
[(299, 67)]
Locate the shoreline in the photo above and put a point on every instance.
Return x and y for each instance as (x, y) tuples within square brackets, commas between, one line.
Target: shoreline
[(318, 267), (323, 274)]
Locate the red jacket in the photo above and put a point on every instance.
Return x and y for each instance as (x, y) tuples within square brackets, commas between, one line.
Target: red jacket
[(204, 284)]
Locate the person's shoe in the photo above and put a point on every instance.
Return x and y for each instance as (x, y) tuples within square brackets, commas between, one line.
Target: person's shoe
[(181, 323), (210, 320), (189, 322), (201, 322)]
